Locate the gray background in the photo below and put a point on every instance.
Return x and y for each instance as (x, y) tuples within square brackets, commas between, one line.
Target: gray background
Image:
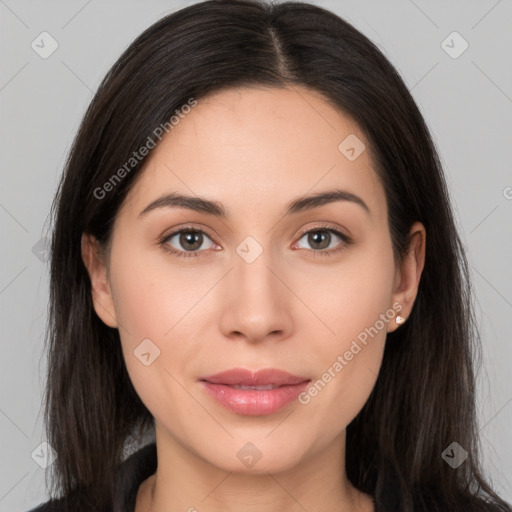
[(466, 101)]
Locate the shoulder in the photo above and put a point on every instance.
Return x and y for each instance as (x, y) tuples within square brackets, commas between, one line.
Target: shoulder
[(129, 476), (44, 507), (74, 502), (78, 501), (50, 506)]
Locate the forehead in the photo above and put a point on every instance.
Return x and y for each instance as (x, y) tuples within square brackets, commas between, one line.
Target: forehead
[(256, 148)]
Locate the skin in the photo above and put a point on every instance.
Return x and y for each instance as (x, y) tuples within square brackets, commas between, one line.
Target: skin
[(253, 150)]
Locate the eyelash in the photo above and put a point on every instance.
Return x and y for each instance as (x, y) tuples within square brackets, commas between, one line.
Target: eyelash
[(194, 254)]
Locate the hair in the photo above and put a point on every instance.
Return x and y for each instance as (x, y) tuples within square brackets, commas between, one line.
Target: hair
[(424, 397)]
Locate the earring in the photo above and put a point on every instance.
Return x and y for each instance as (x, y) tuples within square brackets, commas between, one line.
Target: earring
[(399, 319)]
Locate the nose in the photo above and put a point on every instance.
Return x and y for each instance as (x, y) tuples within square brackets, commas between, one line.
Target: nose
[(257, 305)]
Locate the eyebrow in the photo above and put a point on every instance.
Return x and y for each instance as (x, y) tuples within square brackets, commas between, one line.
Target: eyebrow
[(217, 209)]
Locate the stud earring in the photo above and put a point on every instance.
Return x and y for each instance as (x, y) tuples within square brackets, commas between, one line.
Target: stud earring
[(399, 319)]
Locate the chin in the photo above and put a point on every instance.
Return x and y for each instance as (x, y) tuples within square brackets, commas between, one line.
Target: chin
[(252, 458)]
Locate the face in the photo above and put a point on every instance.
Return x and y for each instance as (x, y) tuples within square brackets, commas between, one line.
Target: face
[(310, 290)]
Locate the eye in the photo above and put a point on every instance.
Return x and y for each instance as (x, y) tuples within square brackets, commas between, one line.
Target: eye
[(322, 242), (189, 242), (186, 242)]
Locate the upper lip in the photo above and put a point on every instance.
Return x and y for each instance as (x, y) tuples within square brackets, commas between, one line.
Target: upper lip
[(264, 377)]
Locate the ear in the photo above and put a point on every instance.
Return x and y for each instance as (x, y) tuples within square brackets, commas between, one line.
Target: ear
[(407, 278), (94, 261)]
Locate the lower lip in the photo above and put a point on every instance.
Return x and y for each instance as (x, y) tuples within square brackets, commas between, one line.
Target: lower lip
[(253, 402)]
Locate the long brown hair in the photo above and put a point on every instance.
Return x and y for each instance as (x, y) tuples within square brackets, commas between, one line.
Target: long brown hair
[(424, 398)]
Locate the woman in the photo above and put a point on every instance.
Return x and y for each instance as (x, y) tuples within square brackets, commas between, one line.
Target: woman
[(254, 254)]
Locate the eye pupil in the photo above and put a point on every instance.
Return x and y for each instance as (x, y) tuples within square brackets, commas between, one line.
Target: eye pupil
[(316, 237), (191, 237)]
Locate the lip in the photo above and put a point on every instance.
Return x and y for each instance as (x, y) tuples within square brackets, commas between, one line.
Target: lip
[(254, 402)]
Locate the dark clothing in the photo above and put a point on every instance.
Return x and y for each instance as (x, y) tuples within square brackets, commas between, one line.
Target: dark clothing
[(139, 466), (130, 475)]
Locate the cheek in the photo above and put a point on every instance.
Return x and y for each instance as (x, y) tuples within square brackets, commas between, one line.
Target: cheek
[(347, 371), (349, 297), (153, 300), (355, 305), (157, 312)]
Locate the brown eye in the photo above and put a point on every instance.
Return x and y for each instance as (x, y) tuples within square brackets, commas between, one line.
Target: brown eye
[(190, 240), (319, 239), (322, 241), (186, 241)]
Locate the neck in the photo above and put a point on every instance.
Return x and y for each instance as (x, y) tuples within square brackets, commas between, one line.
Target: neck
[(185, 482)]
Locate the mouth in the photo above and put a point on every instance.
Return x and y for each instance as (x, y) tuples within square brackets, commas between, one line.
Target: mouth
[(254, 393), (268, 386)]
